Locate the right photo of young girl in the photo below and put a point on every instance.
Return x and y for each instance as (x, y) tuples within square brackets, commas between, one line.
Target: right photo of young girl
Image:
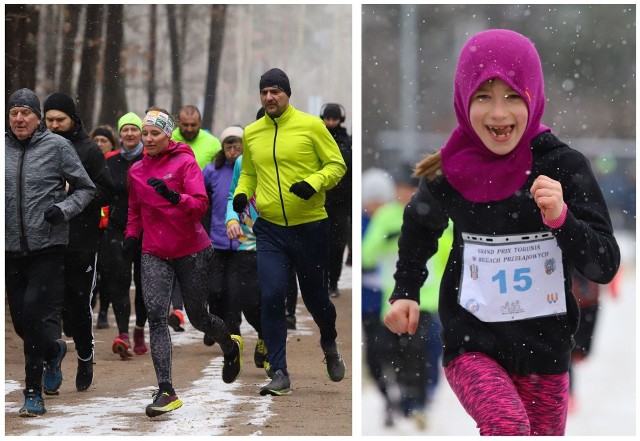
[(500, 140)]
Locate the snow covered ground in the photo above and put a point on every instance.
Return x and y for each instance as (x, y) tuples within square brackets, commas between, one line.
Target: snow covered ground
[(606, 383)]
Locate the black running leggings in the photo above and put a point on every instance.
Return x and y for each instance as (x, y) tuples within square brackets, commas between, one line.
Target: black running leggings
[(157, 282)]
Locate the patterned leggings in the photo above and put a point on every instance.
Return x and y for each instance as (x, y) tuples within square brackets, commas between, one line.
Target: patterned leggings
[(509, 404), (157, 282)]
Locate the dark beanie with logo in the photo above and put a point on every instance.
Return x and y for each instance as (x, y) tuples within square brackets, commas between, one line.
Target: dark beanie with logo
[(63, 103), (275, 78), (25, 98)]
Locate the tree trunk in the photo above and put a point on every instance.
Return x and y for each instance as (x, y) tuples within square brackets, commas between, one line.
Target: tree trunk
[(176, 73), (216, 38), (69, 31), (114, 99), (151, 84), (21, 44), (49, 46), (86, 96)]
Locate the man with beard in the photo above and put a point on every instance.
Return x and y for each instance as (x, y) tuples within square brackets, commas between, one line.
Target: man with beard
[(80, 260), (189, 131)]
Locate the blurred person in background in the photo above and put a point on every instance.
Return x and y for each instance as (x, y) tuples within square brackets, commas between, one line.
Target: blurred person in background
[(118, 268), (338, 202), (217, 180), (378, 189), (587, 294), (106, 139), (414, 359)]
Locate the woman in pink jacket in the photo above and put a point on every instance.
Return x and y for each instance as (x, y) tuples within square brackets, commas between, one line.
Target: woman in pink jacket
[(167, 199)]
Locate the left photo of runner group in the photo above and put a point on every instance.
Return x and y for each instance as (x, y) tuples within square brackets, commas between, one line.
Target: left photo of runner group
[(178, 220)]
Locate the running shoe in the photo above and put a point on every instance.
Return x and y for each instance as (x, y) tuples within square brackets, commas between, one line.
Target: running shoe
[(52, 376), (334, 292), (102, 322), (33, 404), (122, 346), (232, 367), (279, 385), (139, 345), (268, 370), (84, 375), (176, 320), (208, 341), (163, 402), (260, 354), (334, 362), (291, 321)]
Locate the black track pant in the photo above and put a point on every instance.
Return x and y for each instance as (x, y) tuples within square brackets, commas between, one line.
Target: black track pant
[(35, 287)]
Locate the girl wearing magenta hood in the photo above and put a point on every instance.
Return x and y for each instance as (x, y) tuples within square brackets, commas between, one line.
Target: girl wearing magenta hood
[(167, 199), (526, 210)]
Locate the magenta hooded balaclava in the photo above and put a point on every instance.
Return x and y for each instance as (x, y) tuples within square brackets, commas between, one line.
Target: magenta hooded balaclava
[(471, 168)]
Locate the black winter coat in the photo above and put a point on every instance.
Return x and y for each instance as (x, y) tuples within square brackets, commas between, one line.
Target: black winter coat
[(84, 230), (539, 345)]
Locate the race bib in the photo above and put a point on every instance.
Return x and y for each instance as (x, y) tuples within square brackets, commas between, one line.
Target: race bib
[(508, 278)]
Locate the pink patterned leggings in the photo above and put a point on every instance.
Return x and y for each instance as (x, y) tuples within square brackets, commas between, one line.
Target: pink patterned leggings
[(509, 404)]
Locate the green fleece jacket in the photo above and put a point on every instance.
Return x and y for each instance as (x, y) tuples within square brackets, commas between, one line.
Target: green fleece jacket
[(380, 250), (278, 153), (205, 146)]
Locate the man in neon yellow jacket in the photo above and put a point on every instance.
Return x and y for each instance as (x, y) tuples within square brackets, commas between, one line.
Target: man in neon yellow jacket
[(290, 159)]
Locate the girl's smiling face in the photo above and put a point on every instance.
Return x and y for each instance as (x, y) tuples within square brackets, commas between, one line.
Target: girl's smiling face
[(498, 115)]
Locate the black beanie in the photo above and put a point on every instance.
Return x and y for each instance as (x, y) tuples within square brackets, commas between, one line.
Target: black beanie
[(63, 103), (275, 78), (25, 98), (332, 110)]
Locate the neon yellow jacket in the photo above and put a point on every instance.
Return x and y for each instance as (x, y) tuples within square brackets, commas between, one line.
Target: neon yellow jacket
[(295, 147), (205, 146)]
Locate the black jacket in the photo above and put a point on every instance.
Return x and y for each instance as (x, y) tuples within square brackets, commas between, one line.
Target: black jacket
[(540, 345), (340, 195), (84, 230), (119, 207)]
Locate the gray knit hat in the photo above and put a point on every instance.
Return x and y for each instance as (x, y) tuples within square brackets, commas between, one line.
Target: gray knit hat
[(25, 98)]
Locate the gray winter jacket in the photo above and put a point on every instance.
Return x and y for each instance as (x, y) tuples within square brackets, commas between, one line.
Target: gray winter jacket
[(35, 178)]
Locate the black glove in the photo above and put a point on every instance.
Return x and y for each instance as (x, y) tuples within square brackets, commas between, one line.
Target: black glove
[(129, 246), (162, 189), (54, 215), (239, 202), (302, 189)]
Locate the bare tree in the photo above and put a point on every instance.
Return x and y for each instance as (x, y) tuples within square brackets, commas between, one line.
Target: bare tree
[(49, 36), (21, 30), (151, 54), (216, 38), (114, 99), (176, 73), (86, 96), (69, 31)]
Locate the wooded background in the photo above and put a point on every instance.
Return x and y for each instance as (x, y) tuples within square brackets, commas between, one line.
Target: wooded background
[(118, 58)]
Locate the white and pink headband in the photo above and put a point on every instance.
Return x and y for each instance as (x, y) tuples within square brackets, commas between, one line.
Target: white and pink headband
[(161, 120)]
